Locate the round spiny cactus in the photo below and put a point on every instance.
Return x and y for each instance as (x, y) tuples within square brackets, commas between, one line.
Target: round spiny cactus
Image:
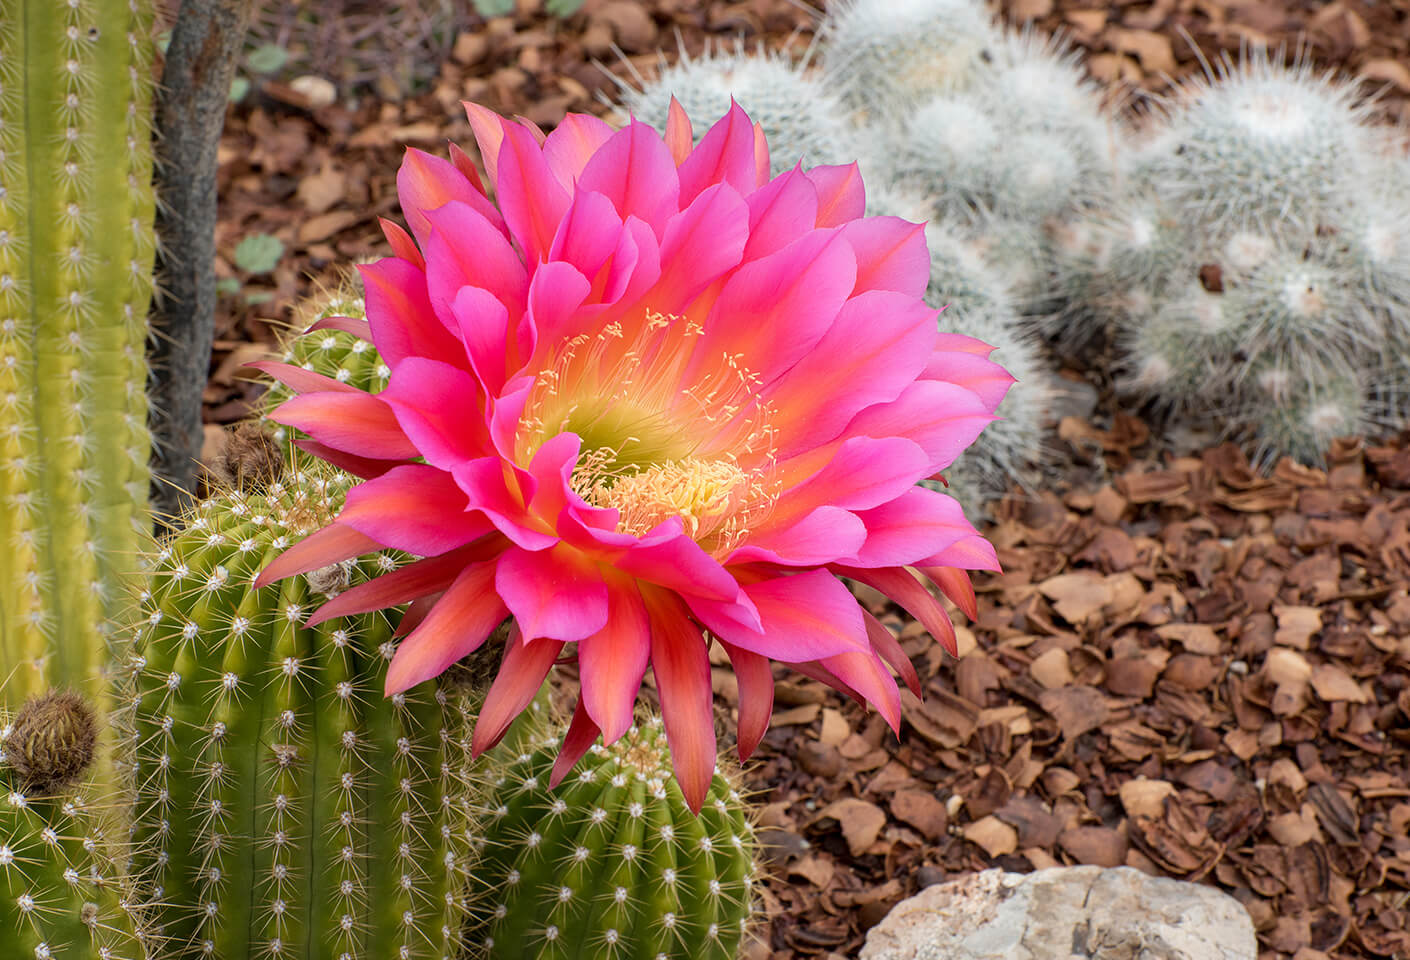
[(882, 56), (60, 895), (801, 119), (284, 807), (611, 863)]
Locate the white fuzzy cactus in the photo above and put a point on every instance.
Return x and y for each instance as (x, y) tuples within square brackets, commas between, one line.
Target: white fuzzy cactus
[(802, 120)]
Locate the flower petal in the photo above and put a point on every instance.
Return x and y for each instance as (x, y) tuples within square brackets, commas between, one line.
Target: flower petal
[(825, 534), (332, 544), (804, 616), (445, 435), (483, 323), (363, 467), (700, 244), (635, 171), (974, 372), (356, 422), (358, 328), (488, 490), (841, 196), (582, 734), (417, 579), (612, 662), (955, 584), (572, 144), (555, 593), (942, 418), (529, 194), (868, 676), (780, 212), (465, 250), (678, 134), (682, 670), (756, 696), (888, 648), (898, 584), (400, 315), (415, 508), (891, 255), (401, 243), (426, 182), (300, 380), (521, 673), (724, 155), (457, 625), (912, 527)]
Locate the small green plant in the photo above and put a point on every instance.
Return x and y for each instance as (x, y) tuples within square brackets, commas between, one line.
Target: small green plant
[(259, 253)]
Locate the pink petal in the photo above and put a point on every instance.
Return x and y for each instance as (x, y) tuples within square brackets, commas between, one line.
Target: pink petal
[(466, 166), (888, 648), (912, 527), (761, 154), (955, 584), (756, 696), (780, 212), (874, 350), (825, 534), (863, 472), (466, 251), (635, 266), (635, 171), (943, 419), (521, 673), (806, 616), (415, 508), (329, 545), (587, 235), (582, 734), (975, 373), (701, 243), (682, 669), (401, 243), (358, 328), (899, 585), (891, 255), (430, 401), (418, 579), (775, 309), (300, 380), (484, 329), (488, 128), (529, 195), (426, 182), (458, 624), (725, 155), (968, 553), (841, 196), (488, 490), (961, 343), (665, 556), (678, 134), (402, 320), (868, 676), (362, 467), (612, 662), (572, 144), (555, 593), (555, 294), (356, 422), (416, 611)]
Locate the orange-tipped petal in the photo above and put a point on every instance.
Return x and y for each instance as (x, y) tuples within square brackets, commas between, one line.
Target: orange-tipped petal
[(333, 544), (898, 584), (467, 167), (464, 618), (521, 673), (866, 674), (417, 579), (611, 661), (682, 668), (363, 467), (678, 133), (356, 422), (889, 649), (955, 584), (756, 696), (761, 153), (581, 735), (401, 243), (298, 379), (358, 328), (416, 611), (488, 128)]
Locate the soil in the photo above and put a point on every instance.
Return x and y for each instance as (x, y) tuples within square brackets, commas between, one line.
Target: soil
[(1186, 667)]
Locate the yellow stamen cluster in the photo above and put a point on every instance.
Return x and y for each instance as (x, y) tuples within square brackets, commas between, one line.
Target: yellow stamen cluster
[(705, 494)]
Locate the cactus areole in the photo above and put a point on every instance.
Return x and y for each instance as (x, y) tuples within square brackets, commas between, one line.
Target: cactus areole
[(76, 247)]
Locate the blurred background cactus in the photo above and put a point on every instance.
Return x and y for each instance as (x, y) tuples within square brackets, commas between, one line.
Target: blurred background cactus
[(612, 863), (284, 807), (76, 249)]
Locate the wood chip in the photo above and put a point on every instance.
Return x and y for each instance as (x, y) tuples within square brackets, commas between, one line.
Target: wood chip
[(992, 835)]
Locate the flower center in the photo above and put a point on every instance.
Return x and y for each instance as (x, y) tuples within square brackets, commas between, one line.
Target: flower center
[(706, 494)]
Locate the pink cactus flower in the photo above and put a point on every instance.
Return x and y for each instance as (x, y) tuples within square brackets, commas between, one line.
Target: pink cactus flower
[(649, 400)]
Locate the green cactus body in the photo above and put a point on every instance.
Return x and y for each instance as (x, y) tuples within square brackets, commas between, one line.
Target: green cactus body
[(59, 896), (285, 808), (611, 863), (76, 247)]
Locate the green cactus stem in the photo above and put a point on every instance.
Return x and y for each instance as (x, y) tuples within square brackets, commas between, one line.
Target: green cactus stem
[(60, 896), (76, 247), (285, 808), (611, 863)]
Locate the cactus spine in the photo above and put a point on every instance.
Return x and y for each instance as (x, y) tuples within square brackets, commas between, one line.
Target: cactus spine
[(285, 808), (611, 863), (76, 246), (59, 896)]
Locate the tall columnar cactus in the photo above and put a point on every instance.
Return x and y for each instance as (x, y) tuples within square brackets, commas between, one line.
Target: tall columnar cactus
[(611, 863), (76, 248), (1256, 268), (60, 895), (285, 808)]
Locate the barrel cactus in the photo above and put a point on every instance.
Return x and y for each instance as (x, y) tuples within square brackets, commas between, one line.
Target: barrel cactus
[(76, 247), (61, 897), (285, 808), (612, 862)]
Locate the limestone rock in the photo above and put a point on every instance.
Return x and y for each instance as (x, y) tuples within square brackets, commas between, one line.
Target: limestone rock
[(1064, 912)]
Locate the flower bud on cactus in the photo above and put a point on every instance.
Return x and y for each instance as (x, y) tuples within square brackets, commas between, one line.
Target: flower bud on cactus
[(611, 863), (60, 896), (285, 808), (76, 248), (800, 117)]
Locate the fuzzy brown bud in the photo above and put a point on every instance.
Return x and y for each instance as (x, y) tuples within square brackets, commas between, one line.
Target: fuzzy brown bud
[(251, 460), (52, 740)]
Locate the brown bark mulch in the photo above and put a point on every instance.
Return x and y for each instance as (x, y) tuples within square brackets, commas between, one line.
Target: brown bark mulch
[(1185, 667)]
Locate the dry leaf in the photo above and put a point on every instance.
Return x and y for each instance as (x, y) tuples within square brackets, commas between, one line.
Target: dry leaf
[(834, 728), (994, 836), (1145, 798), (860, 820), (1077, 597), (1052, 669), (1330, 682), (1076, 709), (922, 810)]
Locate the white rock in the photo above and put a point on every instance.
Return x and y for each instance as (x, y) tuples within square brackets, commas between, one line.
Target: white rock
[(1065, 912)]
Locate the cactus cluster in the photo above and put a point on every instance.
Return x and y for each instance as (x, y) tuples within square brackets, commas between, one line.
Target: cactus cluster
[(284, 807), (1256, 265), (61, 895), (76, 248), (612, 863)]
